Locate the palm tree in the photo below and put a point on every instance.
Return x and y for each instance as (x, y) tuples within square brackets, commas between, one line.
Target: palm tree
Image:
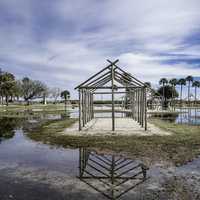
[(173, 82), (181, 82), (196, 84), (189, 79), (66, 95), (163, 82)]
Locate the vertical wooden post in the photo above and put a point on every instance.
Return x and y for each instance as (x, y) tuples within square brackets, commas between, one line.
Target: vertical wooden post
[(138, 106), (145, 109), (89, 106), (92, 106), (83, 108), (113, 106), (79, 94), (140, 92), (84, 95), (134, 105), (86, 106), (112, 173), (142, 106), (131, 106), (80, 166)]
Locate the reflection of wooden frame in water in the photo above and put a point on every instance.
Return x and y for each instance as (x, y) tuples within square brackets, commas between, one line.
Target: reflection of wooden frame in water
[(110, 175)]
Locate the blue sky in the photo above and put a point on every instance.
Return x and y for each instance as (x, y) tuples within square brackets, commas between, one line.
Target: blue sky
[(62, 42)]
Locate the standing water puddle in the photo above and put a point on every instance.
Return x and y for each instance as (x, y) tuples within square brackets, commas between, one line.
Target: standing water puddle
[(34, 171), (189, 116)]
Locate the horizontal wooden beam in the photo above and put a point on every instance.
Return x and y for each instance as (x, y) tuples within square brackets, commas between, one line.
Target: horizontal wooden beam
[(109, 87), (109, 92)]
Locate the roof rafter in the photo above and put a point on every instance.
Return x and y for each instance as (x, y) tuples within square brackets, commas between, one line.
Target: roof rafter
[(98, 80), (96, 74), (127, 73)]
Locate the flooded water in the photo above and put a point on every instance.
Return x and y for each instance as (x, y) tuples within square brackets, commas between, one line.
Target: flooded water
[(189, 116), (36, 171)]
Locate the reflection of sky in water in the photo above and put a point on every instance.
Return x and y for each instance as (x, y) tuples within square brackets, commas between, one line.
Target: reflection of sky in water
[(22, 151), (186, 116)]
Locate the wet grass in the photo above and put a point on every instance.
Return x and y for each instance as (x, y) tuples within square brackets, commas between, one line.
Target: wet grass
[(179, 188), (180, 147), (48, 130), (24, 111), (21, 107)]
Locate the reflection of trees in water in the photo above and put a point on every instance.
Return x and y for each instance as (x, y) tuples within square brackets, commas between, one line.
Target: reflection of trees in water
[(189, 116), (7, 127), (171, 117), (111, 175)]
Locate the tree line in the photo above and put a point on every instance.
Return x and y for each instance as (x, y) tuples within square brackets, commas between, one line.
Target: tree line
[(27, 89), (182, 82)]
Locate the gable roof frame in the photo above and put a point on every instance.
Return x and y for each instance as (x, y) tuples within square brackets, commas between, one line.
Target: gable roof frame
[(102, 77), (107, 67)]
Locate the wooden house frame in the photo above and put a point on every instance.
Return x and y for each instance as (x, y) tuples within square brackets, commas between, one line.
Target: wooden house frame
[(134, 88)]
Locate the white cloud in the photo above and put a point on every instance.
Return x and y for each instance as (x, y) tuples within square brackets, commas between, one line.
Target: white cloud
[(149, 68), (135, 31)]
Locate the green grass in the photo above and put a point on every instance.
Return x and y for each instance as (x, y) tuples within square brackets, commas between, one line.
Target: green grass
[(22, 107), (23, 111), (48, 130), (180, 147)]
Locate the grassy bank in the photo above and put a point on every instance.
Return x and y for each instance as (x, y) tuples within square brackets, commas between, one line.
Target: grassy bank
[(180, 147), (23, 111), (35, 107), (49, 130)]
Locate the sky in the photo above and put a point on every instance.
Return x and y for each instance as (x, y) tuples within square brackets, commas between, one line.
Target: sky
[(63, 42)]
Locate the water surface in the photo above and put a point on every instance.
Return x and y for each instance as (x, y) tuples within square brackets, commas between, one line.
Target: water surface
[(32, 170), (189, 116)]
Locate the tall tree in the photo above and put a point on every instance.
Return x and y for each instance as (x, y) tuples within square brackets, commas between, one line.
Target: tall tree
[(173, 83), (1, 94), (55, 93), (65, 95), (7, 85), (32, 89), (169, 92), (17, 90), (45, 93), (189, 79), (163, 82), (196, 84), (181, 82)]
